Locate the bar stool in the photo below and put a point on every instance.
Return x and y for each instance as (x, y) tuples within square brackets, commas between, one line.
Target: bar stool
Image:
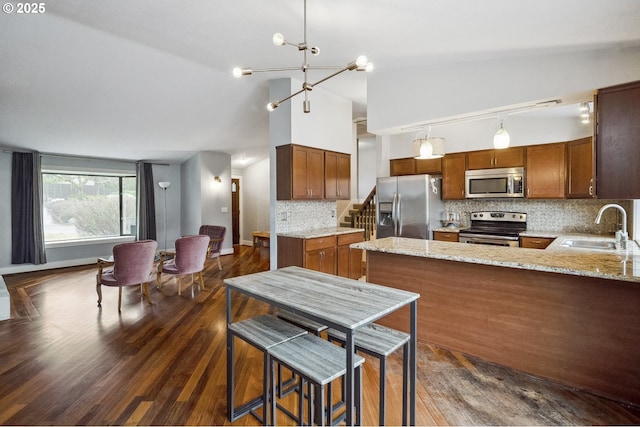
[(380, 341), (317, 362), (262, 332), (285, 387)]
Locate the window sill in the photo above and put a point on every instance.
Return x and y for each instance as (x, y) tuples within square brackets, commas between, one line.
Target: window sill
[(87, 242)]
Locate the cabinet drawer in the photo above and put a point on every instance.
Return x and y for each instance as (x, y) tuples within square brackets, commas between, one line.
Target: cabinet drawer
[(347, 239), (445, 236), (320, 243), (535, 242)]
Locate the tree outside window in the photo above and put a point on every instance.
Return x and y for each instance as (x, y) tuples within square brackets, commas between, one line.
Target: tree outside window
[(78, 206)]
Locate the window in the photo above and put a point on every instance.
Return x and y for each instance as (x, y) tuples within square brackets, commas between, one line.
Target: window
[(83, 206)]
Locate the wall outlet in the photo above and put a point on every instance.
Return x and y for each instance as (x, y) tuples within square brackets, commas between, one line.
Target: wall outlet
[(283, 216), (224, 209), (333, 213)]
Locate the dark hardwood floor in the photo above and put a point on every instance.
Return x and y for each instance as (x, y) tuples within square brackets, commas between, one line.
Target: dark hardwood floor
[(65, 361)]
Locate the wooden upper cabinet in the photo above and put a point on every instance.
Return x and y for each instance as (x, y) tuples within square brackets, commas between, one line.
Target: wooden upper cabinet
[(617, 142), (453, 167), (299, 172), (405, 166), (580, 169), (497, 158), (429, 166), (546, 171), (337, 175)]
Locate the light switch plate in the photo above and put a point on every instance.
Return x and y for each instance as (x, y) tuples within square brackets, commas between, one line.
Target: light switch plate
[(224, 209)]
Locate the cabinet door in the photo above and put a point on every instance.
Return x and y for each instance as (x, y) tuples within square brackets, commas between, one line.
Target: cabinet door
[(315, 173), (330, 175), (405, 166), (323, 260), (508, 158), (580, 169), (337, 176), (429, 166), (300, 165), (453, 166), (617, 148), (349, 261), (482, 159), (546, 171)]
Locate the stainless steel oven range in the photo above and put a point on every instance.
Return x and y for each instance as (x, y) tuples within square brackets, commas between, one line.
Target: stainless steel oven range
[(495, 228)]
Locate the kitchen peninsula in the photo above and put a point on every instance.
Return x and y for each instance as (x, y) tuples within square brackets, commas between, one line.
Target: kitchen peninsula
[(571, 315)]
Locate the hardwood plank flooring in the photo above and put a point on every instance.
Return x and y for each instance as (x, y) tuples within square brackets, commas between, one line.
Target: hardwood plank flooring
[(64, 361)]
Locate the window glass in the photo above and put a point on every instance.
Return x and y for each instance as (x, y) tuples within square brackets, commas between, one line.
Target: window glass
[(79, 206)]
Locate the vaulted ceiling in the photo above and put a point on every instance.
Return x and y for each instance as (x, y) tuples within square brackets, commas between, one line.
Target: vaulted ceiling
[(151, 79)]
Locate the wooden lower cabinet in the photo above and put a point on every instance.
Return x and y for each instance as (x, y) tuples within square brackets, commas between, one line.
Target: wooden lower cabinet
[(327, 254), (535, 242), (445, 236)]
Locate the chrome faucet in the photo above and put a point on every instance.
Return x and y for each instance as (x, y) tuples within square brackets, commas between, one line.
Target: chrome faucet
[(621, 235)]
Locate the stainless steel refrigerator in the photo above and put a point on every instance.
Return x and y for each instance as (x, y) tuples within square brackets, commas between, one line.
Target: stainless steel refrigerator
[(408, 206)]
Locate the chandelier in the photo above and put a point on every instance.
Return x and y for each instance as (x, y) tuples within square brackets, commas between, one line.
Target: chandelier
[(359, 64)]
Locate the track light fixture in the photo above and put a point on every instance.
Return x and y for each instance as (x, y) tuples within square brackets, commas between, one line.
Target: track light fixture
[(360, 64)]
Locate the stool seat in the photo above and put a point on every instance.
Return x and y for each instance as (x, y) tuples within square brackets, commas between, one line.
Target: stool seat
[(265, 331), (319, 362), (262, 332), (303, 322), (374, 339)]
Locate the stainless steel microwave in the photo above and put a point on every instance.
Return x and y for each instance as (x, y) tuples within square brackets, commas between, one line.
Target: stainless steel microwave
[(494, 183)]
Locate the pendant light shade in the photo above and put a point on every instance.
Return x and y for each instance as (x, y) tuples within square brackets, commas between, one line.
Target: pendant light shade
[(426, 147), (501, 139)]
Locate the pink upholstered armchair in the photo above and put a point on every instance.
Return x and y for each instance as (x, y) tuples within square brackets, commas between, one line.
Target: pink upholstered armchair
[(216, 234), (132, 264), (191, 251)]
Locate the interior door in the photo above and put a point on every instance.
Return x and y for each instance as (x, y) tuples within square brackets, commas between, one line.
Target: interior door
[(235, 210)]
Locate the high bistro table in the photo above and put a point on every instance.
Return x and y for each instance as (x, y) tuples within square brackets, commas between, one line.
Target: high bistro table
[(340, 303)]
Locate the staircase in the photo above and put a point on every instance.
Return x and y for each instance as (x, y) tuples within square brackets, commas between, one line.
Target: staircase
[(363, 215)]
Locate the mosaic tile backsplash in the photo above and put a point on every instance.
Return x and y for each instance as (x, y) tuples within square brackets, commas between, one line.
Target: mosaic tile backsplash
[(304, 215), (567, 216)]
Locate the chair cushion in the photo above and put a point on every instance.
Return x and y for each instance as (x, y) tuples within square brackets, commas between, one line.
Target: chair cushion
[(170, 267)]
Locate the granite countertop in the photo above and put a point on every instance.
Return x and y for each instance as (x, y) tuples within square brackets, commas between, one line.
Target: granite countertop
[(609, 264), (320, 232)]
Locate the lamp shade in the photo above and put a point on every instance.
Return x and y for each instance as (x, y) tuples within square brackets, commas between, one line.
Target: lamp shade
[(501, 139), (164, 184)]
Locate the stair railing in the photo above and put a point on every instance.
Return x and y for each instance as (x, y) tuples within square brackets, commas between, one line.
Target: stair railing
[(365, 216)]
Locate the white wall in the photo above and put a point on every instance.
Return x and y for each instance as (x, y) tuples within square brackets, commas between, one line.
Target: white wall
[(203, 199), (366, 166), (5, 209), (402, 96), (254, 192)]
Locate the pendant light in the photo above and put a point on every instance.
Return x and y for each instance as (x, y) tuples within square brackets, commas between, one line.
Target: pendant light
[(427, 147), (501, 139)]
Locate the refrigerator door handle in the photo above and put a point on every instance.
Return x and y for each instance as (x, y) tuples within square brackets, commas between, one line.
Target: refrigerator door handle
[(394, 215), (399, 215)]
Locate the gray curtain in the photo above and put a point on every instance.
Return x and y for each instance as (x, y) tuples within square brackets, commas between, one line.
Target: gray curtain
[(27, 229), (146, 202)]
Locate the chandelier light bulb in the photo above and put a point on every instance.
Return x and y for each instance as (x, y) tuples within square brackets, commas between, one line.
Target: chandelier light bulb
[(369, 67), (237, 72), (278, 39), (361, 61), (272, 106), (315, 51)]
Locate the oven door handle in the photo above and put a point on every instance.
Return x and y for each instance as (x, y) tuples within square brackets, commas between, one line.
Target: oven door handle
[(486, 240)]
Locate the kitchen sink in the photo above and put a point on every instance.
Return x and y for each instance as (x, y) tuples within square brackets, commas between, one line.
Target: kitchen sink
[(589, 244)]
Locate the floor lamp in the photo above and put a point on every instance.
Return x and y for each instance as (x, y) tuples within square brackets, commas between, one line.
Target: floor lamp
[(164, 185)]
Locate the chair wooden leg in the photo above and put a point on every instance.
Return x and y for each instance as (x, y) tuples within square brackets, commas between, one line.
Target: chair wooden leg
[(119, 297), (219, 266), (99, 291), (158, 277), (179, 284), (145, 291), (202, 281)]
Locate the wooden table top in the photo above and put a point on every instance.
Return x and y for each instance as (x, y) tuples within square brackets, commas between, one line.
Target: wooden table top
[(338, 302)]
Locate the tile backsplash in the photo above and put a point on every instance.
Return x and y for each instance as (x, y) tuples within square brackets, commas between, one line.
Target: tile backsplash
[(568, 216), (304, 215)]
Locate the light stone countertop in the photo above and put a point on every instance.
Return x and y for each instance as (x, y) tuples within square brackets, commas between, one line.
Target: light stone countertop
[(320, 232), (609, 264), (448, 229)]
